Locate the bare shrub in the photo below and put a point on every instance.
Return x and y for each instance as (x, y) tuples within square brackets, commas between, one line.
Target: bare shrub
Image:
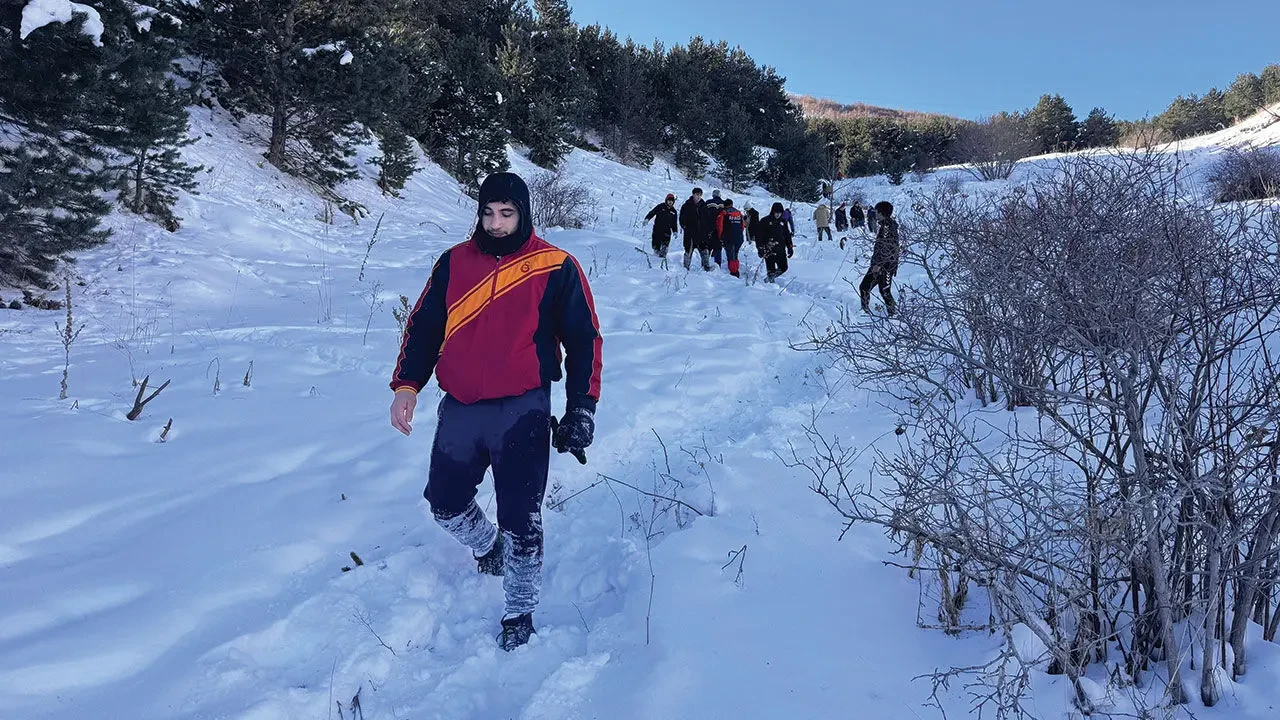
[(993, 148), (1144, 135), (561, 202), (1135, 499), (1245, 174)]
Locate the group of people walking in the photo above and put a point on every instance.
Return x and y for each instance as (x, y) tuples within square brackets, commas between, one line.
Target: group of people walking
[(716, 230)]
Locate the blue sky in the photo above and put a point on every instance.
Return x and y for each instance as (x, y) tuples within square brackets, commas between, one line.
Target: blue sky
[(971, 58)]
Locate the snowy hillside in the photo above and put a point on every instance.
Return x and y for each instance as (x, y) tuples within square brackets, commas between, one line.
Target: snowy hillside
[(211, 575)]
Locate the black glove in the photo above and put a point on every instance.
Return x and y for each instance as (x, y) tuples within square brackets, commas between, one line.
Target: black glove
[(574, 433)]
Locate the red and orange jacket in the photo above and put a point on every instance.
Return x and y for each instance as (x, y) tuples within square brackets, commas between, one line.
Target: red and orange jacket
[(492, 327)]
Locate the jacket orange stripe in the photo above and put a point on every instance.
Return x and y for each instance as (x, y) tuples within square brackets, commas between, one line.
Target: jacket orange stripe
[(475, 290), (509, 278), (517, 271)]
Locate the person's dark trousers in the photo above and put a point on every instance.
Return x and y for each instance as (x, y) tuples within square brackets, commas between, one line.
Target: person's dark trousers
[(775, 264), (731, 250), (826, 230), (513, 436), (660, 245), (883, 278)]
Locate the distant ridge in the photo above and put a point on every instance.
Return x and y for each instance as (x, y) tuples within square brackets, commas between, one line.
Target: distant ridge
[(823, 108)]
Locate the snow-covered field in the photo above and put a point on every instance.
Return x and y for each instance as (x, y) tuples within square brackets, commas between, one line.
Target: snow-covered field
[(203, 577)]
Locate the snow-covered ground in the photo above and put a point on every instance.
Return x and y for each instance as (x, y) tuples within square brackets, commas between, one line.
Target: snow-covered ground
[(203, 577)]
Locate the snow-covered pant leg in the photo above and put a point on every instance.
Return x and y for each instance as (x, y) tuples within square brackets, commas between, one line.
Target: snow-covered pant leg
[(826, 230), (521, 451), (459, 457), (688, 258), (706, 259), (882, 278)]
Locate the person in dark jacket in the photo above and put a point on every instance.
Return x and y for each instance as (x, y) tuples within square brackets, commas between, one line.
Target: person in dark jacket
[(884, 260), (842, 218), (713, 248), (871, 218), (774, 242), (751, 222), (489, 325), (665, 222), (729, 230), (856, 217), (691, 223), (791, 221)]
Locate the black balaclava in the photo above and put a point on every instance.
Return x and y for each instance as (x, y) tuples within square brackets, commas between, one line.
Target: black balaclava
[(504, 187)]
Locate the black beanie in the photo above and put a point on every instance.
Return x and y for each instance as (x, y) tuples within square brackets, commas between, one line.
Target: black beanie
[(504, 187)]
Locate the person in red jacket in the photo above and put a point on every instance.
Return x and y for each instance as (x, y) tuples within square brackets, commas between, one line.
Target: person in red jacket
[(729, 230), (490, 324)]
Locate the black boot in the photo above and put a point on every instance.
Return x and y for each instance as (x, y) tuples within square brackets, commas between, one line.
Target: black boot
[(515, 631), (490, 563)]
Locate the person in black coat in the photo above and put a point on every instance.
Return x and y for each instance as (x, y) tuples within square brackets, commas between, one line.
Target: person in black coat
[(773, 241), (712, 249), (884, 260), (856, 216), (692, 213), (665, 222)]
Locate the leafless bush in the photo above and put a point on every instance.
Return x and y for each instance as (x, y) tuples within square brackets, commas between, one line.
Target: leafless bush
[(993, 148), (1144, 135), (1245, 174), (1133, 489), (561, 202)]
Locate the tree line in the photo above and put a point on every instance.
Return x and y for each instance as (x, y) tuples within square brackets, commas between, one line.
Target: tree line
[(861, 146), (94, 117)]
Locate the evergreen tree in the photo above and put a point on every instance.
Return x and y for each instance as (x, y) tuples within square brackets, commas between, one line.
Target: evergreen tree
[(147, 118), (1053, 124), (398, 162), (288, 61), (735, 151), (794, 170), (1244, 97), (544, 84), (1192, 115), (1099, 130), (690, 159), (1271, 84)]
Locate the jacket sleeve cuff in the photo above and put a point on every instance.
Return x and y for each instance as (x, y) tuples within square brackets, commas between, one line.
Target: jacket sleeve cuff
[(585, 402), (405, 385)]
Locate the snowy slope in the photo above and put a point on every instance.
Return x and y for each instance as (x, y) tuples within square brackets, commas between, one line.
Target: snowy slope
[(203, 577)]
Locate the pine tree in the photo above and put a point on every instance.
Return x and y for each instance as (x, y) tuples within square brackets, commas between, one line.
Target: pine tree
[(542, 79), (1099, 130), (146, 118), (735, 150), (398, 162), (1053, 124), (287, 60), (1271, 84), (1244, 97), (690, 159), (794, 170), (51, 178)]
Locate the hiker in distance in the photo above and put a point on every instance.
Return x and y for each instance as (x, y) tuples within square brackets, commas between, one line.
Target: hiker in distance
[(665, 223), (884, 260), (692, 223), (489, 325)]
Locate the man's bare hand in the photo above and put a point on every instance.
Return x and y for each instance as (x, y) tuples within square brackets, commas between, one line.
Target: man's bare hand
[(402, 411)]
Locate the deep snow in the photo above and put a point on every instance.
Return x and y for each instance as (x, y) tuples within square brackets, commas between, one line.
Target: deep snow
[(203, 577)]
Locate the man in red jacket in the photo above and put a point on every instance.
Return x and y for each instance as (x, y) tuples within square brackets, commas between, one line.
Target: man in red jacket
[(490, 324)]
